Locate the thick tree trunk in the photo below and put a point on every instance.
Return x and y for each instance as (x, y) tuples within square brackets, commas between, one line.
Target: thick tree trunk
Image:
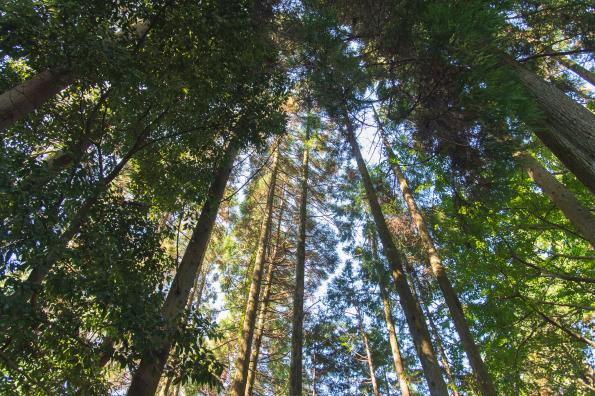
[(242, 362), (581, 218), (19, 101), (370, 361), (415, 319), (272, 259), (297, 334), (390, 325), (580, 71), (435, 263), (145, 379), (565, 127)]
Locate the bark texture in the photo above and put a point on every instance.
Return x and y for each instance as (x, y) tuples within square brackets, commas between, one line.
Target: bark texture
[(19, 101), (297, 334), (146, 378), (565, 127), (415, 319), (435, 264), (581, 218), (242, 362)]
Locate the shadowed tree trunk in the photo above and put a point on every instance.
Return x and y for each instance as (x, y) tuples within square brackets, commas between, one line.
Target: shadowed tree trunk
[(439, 345), (242, 361), (435, 264), (415, 319), (29, 95), (145, 379), (564, 126), (581, 218), (297, 334)]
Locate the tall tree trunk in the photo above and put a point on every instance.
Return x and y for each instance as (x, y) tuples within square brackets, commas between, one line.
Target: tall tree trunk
[(565, 127), (19, 101), (581, 218), (415, 320), (297, 334), (580, 71), (369, 359), (145, 379), (435, 263), (439, 345), (242, 361), (272, 259), (390, 326)]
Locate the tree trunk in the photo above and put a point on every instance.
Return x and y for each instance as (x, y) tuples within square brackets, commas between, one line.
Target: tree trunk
[(145, 379), (390, 326), (415, 320), (581, 218), (259, 329), (297, 334), (252, 370), (580, 71), (370, 361), (242, 362), (565, 127), (436, 334), (19, 101), (435, 264)]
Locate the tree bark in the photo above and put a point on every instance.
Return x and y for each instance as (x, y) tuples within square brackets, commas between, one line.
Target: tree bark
[(297, 334), (390, 325), (370, 361), (435, 264), (581, 218), (242, 362), (565, 127), (580, 71), (415, 320), (424, 301), (19, 101), (145, 379), (252, 370)]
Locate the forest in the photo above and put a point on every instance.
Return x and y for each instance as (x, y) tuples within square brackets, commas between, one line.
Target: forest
[(297, 197)]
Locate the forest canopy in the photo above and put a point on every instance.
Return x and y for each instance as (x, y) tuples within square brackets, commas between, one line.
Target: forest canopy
[(291, 197)]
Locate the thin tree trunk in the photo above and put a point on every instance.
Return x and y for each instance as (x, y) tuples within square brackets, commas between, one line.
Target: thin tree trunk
[(145, 379), (415, 320), (297, 334), (19, 101), (435, 263), (252, 370), (370, 361), (255, 351), (40, 272), (390, 326), (580, 71), (580, 217), (564, 126), (394, 345), (443, 358), (242, 361)]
